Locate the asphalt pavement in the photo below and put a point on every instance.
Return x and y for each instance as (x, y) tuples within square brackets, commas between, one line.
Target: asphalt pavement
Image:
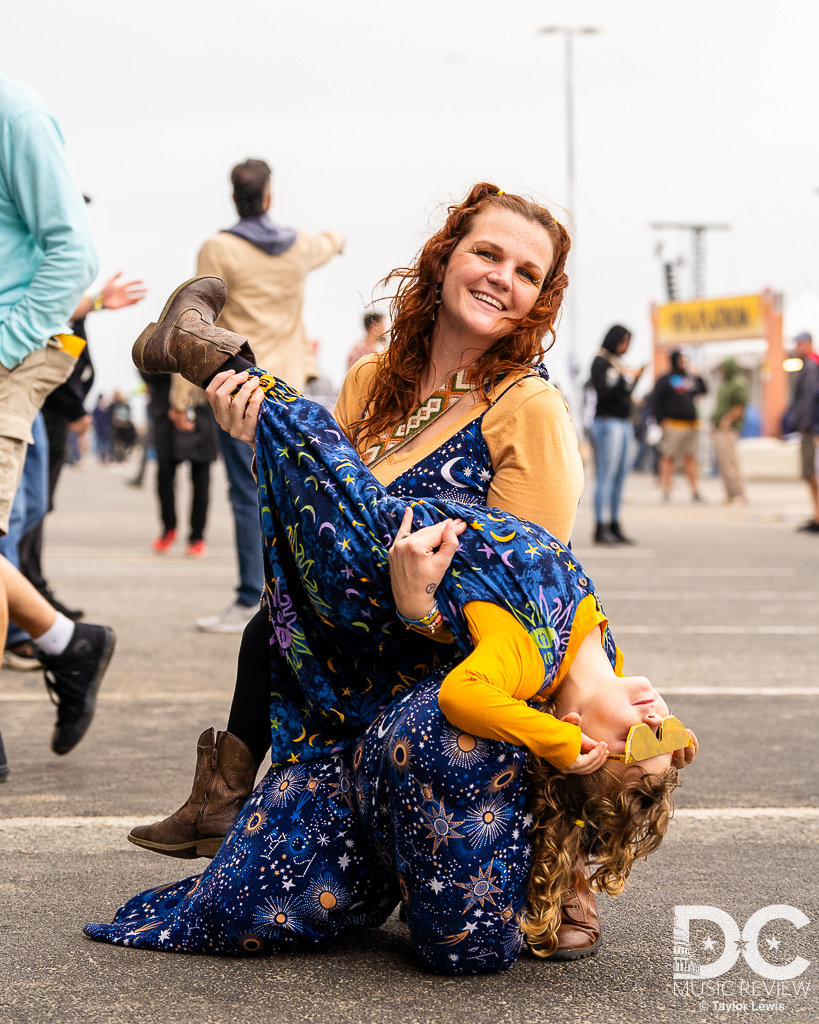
[(716, 605)]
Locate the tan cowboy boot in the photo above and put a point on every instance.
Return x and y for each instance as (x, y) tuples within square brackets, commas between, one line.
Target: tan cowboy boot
[(224, 778), (185, 340), (579, 932)]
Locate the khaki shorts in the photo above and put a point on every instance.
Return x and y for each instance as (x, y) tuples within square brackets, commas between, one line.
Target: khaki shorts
[(22, 393), (808, 452), (679, 441)]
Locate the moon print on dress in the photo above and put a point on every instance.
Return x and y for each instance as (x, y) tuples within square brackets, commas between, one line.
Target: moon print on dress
[(460, 470)]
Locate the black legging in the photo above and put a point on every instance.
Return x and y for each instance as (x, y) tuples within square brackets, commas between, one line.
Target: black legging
[(200, 480), (250, 711), (249, 718)]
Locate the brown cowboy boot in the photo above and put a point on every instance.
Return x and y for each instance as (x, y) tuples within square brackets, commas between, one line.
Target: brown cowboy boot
[(225, 773), (185, 340), (579, 932)]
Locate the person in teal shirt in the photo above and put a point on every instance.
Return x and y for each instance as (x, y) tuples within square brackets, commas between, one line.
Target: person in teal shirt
[(47, 259), (47, 253)]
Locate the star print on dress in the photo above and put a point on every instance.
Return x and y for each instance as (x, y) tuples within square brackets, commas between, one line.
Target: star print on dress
[(480, 888), (441, 826)]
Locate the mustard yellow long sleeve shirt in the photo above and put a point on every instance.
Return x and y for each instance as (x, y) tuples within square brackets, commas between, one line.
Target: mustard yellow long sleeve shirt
[(486, 693)]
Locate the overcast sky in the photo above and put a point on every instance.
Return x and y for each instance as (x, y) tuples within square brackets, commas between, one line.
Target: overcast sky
[(374, 114)]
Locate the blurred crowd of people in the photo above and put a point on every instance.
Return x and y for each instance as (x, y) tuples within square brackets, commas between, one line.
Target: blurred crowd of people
[(662, 432)]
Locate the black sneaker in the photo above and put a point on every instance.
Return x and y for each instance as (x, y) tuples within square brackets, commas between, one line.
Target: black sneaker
[(4, 765), (75, 614), (73, 679)]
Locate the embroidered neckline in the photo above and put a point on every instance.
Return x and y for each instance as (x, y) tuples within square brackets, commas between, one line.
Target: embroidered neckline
[(432, 408)]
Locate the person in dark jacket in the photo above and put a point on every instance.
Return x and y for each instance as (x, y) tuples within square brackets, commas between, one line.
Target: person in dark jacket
[(803, 415), (181, 435), (612, 433), (676, 412)]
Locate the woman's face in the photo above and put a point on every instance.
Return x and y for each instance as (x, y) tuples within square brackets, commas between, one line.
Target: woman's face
[(611, 710), (494, 274), (622, 348)]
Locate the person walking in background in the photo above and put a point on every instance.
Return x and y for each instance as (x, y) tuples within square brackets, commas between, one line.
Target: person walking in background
[(184, 431), (102, 429), (676, 412), (612, 433), (732, 398), (265, 267), (803, 415), (47, 259), (372, 342), (123, 432)]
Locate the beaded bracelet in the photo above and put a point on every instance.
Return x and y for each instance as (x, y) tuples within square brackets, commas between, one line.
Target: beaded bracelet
[(98, 303), (429, 623)]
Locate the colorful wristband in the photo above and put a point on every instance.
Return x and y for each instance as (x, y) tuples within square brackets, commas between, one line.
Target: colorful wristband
[(428, 623)]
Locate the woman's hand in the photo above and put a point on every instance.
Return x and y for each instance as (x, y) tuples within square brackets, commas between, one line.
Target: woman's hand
[(682, 758), (237, 414), (418, 562), (594, 757)]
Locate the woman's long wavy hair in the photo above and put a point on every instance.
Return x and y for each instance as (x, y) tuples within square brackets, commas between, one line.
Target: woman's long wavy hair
[(394, 389), (625, 816)]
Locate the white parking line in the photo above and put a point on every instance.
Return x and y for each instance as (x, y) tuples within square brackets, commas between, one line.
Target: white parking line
[(712, 813), (708, 630), (125, 698), (126, 822), (698, 573), (196, 698), (741, 691), (711, 595), (74, 822)]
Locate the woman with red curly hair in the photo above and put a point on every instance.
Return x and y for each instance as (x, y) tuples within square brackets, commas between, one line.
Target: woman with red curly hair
[(458, 407)]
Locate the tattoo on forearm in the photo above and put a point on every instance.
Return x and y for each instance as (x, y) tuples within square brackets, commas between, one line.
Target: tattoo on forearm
[(431, 588)]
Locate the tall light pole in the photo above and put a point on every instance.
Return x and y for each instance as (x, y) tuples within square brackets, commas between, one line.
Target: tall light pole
[(569, 32)]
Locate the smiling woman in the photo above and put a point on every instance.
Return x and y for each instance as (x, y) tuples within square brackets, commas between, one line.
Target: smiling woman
[(496, 253), (457, 407)]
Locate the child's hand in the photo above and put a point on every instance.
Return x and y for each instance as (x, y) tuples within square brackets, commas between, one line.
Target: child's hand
[(418, 562), (237, 414), (681, 758), (592, 756)]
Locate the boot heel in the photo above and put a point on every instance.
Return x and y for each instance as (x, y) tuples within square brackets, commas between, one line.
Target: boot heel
[(139, 347), (208, 847)]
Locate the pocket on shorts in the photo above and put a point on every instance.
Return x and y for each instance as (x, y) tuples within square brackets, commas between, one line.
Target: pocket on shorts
[(24, 389)]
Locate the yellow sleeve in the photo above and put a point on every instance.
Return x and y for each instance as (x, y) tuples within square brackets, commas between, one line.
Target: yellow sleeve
[(353, 395), (485, 694), (538, 471)]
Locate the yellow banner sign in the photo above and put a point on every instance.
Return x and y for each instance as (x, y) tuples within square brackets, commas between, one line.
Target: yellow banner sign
[(692, 323)]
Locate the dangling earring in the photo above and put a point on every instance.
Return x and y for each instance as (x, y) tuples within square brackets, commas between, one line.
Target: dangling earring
[(437, 300)]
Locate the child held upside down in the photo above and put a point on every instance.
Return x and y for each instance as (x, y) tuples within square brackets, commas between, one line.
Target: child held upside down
[(465, 797)]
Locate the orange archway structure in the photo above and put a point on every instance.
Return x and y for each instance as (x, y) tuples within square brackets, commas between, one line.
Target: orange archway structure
[(682, 324)]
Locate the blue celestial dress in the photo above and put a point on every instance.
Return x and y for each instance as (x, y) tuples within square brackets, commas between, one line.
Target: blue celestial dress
[(373, 797)]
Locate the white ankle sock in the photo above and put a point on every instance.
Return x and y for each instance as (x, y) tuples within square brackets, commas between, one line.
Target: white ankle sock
[(57, 638)]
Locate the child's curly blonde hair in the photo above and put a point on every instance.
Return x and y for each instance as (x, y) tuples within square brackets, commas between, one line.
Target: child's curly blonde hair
[(627, 813)]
